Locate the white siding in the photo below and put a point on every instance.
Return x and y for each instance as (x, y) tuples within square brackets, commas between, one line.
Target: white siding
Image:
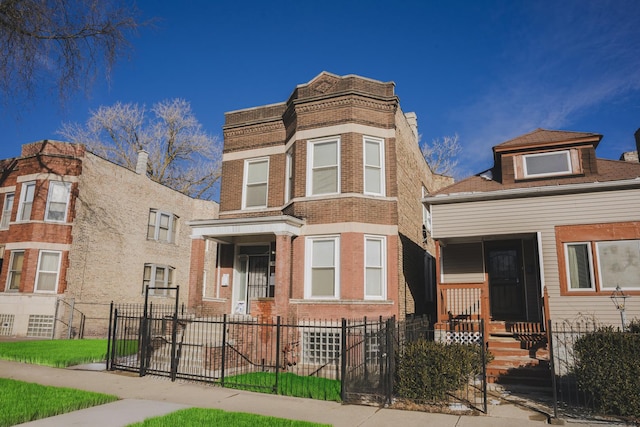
[(529, 215)]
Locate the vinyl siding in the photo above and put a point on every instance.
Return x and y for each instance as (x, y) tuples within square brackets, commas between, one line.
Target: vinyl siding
[(542, 214)]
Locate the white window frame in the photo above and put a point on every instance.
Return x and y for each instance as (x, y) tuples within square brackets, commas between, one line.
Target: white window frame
[(151, 281), (310, 168), (246, 183), (24, 191), (380, 167), (426, 213), (11, 272), (7, 207), (601, 281), (382, 268), (288, 184), (309, 241), (171, 231), (568, 267), (39, 271), (567, 155), (67, 187)]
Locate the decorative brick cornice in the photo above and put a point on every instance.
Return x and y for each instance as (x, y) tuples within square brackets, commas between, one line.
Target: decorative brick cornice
[(352, 101), (253, 129)]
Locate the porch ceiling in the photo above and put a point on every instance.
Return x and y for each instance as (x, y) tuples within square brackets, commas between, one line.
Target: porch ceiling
[(223, 229), (489, 238)]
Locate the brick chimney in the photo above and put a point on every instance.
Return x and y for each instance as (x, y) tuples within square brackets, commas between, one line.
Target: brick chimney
[(143, 160)]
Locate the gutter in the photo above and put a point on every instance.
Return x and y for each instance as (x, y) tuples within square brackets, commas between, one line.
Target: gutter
[(519, 193)]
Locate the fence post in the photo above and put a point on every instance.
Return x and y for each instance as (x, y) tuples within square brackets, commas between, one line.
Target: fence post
[(343, 360), (114, 342), (277, 353), (483, 353), (366, 352), (224, 348), (109, 337), (390, 356), (552, 368), (174, 337)]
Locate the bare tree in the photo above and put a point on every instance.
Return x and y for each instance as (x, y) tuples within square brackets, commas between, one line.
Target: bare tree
[(181, 154), (60, 43), (441, 154)]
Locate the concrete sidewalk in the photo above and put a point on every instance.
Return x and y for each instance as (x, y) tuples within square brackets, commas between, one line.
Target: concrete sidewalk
[(152, 396)]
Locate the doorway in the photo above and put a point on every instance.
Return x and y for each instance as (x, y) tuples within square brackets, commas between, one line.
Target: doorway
[(506, 280), (253, 278)]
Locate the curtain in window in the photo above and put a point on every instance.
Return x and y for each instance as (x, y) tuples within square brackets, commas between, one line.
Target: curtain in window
[(374, 268), (58, 198), (257, 178), (373, 167), (579, 268), (48, 272)]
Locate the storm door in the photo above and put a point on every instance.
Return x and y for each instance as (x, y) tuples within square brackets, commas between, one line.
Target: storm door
[(506, 282), (252, 268)]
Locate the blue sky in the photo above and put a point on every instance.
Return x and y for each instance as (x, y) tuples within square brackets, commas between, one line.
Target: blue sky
[(486, 70)]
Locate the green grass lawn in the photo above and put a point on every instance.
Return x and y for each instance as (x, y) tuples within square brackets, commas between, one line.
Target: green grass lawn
[(21, 402), (288, 385), (218, 417), (56, 353)]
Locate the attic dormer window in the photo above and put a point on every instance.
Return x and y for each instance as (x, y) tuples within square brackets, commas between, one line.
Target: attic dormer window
[(547, 164)]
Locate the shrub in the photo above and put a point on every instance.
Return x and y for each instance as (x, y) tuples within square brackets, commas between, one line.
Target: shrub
[(607, 367), (427, 370)]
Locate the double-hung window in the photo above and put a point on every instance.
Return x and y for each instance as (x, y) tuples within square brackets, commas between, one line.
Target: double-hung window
[(579, 266), (26, 201), (323, 167), (288, 191), (374, 267), (57, 201), (426, 214), (162, 226), (256, 178), (48, 271), (157, 276), (373, 166), (7, 207), (15, 270), (322, 267)]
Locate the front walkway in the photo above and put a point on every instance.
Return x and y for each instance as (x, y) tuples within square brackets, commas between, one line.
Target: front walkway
[(150, 396)]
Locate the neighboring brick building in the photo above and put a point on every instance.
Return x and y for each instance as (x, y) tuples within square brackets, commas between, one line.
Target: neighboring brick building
[(78, 232), (320, 212)]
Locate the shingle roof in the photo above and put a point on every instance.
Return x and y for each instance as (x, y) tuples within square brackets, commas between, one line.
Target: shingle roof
[(608, 170), (545, 136)]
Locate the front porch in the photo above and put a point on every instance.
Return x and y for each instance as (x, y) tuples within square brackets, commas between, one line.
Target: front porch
[(496, 281)]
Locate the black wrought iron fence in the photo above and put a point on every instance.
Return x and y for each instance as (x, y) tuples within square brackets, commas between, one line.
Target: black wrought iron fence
[(595, 371), (348, 360)]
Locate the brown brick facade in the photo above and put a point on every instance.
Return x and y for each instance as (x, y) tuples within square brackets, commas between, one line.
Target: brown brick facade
[(348, 108)]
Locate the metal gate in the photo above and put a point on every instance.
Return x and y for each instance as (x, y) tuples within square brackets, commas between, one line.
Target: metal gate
[(145, 341), (367, 362)]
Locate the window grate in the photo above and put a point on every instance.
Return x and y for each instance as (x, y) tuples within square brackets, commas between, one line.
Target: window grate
[(40, 325), (6, 324)]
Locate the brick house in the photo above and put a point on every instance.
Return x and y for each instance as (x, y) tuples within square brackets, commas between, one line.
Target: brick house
[(548, 233), (77, 232), (320, 213)]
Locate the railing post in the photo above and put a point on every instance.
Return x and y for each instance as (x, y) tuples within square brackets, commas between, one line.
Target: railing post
[(390, 359)]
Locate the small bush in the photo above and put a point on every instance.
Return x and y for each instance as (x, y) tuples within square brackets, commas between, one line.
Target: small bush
[(607, 367), (427, 370)]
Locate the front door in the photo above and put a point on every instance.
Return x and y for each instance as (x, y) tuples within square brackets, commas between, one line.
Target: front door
[(506, 282), (252, 267)]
